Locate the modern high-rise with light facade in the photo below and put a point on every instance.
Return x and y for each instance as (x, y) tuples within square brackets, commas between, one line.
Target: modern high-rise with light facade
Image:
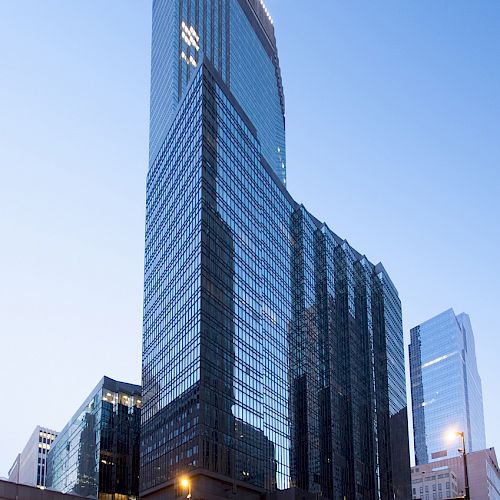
[(30, 466), (445, 387), (273, 351)]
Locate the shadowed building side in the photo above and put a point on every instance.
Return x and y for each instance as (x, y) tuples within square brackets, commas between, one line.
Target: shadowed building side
[(96, 455)]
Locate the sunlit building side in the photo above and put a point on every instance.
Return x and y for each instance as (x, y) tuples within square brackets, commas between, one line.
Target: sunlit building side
[(445, 387)]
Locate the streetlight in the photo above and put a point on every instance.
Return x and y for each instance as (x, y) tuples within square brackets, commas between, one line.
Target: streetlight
[(464, 454), (186, 485)]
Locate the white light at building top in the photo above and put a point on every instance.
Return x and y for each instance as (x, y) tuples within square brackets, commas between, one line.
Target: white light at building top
[(193, 32), (266, 11), (190, 38), (185, 38), (189, 60)]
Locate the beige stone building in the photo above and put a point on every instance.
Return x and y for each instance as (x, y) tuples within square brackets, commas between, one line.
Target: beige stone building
[(445, 478), (431, 482)]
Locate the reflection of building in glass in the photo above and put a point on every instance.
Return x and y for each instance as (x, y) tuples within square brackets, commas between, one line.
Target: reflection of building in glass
[(97, 453), (446, 387), (272, 351), (347, 370), (30, 466)]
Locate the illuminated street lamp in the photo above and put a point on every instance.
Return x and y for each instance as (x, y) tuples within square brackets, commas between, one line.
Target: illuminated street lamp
[(186, 485), (464, 454)]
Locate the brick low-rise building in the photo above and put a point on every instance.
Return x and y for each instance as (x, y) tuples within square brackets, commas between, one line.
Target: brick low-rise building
[(446, 478)]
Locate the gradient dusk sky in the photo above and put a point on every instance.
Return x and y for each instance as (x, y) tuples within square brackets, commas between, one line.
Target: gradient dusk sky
[(393, 139)]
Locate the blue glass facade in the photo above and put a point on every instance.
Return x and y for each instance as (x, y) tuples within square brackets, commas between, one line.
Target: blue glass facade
[(272, 350), (237, 37), (396, 385), (446, 387), (97, 453)]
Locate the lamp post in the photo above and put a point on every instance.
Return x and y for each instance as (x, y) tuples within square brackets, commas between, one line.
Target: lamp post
[(464, 455), (186, 485)]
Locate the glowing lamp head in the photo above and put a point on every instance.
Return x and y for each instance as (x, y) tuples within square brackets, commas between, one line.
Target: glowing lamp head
[(185, 482), (452, 435)]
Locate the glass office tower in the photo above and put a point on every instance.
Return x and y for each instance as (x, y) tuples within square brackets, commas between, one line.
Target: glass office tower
[(445, 387), (97, 453), (272, 350)]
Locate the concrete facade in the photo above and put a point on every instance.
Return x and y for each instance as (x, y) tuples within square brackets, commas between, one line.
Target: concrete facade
[(14, 469), (30, 466), (13, 491), (206, 485), (429, 482)]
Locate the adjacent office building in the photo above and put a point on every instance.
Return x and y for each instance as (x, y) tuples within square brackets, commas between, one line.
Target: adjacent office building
[(30, 466), (445, 387), (430, 482), (96, 455), (273, 351), (446, 478)]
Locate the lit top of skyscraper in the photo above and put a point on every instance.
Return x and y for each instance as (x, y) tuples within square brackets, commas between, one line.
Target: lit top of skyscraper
[(237, 37), (445, 387)]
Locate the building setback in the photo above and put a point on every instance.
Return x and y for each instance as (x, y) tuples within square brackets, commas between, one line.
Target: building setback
[(30, 466), (445, 387), (273, 351), (482, 470), (96, 455), (14, 470)]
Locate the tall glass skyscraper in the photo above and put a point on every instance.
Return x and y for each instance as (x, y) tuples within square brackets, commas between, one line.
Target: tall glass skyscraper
[(272, 350), (445, 387)]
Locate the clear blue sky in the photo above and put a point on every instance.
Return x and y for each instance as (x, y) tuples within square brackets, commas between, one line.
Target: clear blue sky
[(393, 138)]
